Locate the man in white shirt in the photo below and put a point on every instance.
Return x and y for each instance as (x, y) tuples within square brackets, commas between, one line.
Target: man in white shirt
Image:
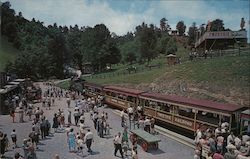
[(122, 118), (118, 144), (230, 138), (147, 125), (130, 112), (88, 138)]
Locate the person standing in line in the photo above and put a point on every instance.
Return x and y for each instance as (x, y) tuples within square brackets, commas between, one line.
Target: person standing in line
[(13, 138), (12, 114), (122, 118), (69, 117), (134, 153), (6, 140), (43, 128), (68, 102), (56, 156), (76, 115), (18, 156), (25, 148), (47, 127), (118, 144), (147, 125), (55, 123), (72, 141), (21, 112), (88, 139), (152, 126), (2, 145), (107, 129), (125, 134)]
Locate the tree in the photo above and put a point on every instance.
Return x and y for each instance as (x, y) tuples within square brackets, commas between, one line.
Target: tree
[(162, 43), (147, 41), (171, 47), (130, 57), (202, 29), (217, 25), (192, 33), (181, 28), (164, 25), (56, 48)]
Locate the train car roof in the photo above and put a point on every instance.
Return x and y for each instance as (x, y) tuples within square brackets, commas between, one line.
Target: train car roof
[(122, 90), (97, 86), (193, 102)]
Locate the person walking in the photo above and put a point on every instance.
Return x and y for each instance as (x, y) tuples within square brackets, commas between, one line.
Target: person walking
[(88, 139), (118, 144), (13, 138)]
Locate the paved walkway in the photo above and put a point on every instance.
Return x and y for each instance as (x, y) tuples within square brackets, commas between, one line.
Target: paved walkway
[(102, 147)]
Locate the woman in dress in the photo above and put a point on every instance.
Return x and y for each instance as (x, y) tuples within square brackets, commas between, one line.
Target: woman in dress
[(72, 140)]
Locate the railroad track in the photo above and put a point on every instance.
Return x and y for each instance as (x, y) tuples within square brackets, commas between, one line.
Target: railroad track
[(172, 135)]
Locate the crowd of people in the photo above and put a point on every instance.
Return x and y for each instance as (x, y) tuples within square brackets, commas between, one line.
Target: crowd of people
[(138, 119), (78, 133), (222, 143)]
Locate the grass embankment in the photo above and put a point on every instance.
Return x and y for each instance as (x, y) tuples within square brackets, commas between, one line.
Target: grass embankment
[(7, 52), (224, 71), (64, 84)]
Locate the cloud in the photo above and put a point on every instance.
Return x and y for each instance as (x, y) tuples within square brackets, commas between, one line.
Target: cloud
[(120, 20), (82, 13)]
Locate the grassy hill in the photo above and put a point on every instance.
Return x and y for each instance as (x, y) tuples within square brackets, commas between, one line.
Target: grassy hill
[(223, 79), (7, 52)]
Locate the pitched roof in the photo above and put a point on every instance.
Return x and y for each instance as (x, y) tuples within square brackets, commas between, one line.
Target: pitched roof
[(199, 103), (93, 85), (121, 90)]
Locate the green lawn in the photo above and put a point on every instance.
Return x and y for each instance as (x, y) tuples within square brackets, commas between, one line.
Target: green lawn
[(224, 71), (7, 52)]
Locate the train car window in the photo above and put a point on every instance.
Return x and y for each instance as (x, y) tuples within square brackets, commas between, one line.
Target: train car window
[(113, 94), (146, 103), (207, 117), (130, 98)]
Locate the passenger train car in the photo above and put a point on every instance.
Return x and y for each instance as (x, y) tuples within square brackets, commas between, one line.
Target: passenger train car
[(184, 113)]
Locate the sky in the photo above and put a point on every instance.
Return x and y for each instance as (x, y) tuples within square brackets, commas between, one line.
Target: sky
[(121, 16)]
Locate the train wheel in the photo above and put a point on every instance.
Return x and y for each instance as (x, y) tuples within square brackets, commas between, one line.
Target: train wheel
[(145, 146)]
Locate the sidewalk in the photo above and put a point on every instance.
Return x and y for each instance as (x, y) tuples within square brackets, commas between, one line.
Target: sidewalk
[(103, 148)]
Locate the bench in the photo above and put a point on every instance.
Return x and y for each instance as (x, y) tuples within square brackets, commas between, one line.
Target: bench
[(144, 138)]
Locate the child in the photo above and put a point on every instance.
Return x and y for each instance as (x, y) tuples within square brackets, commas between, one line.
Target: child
[(107, 129), (13, 138), (80, 144), (125, 148), (134, 153)]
